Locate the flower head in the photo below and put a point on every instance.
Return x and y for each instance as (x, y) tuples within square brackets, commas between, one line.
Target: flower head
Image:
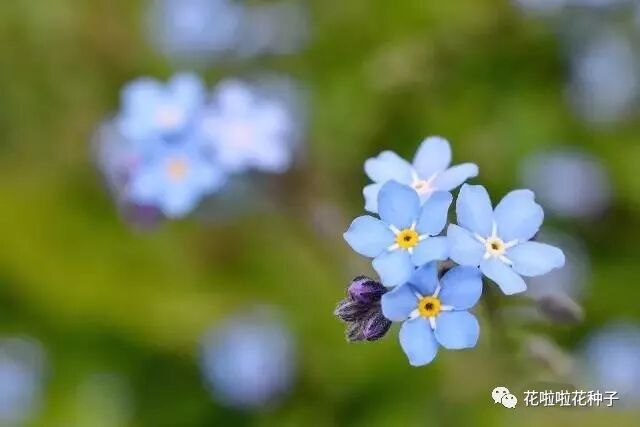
[(429, 172), (151, 110), (434, 311), (174, 179), (246, 131), (404, 236), (499, 240)]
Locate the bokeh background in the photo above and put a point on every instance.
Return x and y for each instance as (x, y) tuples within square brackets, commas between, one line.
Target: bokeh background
[(103, 324)]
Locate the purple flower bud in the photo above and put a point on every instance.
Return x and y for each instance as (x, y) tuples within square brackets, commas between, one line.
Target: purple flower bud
[(355, 332), (350, 311), (376, 327), (365, 290)]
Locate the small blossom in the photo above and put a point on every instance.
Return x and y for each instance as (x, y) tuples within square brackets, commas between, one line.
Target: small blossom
[(151, 110), (174, 179), (246, 131), (499, 240), (434, 311), (429, 172), (404, 236)]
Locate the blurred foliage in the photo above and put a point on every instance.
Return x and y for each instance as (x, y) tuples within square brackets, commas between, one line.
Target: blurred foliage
[(382, 75)]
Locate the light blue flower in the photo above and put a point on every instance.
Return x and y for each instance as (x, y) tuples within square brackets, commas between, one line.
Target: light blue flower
[(247, 131), (434, 311), (196, 29), (152, 110), (174, 179), (499, 240), (429, 172), (402, 238)]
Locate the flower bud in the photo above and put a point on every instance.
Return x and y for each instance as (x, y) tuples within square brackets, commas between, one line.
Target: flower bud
[(355, 332), (560, 308), (376, 327), (365, 290), (350, 311)]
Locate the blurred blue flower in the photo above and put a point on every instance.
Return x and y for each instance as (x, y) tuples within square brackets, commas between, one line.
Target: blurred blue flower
[(175, 178), (434, 311), (249, 361), (611, 361), (499, 240), (195, 30), (151, 110), (429, 172), (246, 131), (569, 183), (21, 372), (402, 238)]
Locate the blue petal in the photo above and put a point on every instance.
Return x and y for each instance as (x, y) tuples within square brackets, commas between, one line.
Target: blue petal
[(398, 205), (517, 216), (145, 187), (461, 287), (141, 94), (394, 268), (188, 90), (418, 341), (430, 249), (508, 280), (456, 330), (425, 279), (464, 249), (434, 212), (473, 209), (178, 202), (433, 156), (388, 166), (369, 236), (398, 303), (535, 259), (370, 193), (455, 176)]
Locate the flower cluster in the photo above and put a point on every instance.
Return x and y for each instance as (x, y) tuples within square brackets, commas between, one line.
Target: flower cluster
[(171, 144), (361, 310), (406, 242)]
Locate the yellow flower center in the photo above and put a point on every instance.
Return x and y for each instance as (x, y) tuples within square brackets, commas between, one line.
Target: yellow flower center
[(495, 246), (407, 238), (177, 169), (429, 306)]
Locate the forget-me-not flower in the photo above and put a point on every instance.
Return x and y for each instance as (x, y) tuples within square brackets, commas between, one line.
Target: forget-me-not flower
[(247, 131), (429, 172), (175, 178), (403, 237), (152, 110), (434, 311), (499, 240)]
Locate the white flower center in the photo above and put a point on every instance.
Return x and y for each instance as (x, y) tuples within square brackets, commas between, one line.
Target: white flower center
[(422, 186), (495, 247)]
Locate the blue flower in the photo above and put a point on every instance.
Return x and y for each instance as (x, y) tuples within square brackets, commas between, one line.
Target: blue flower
[(196, 29), (174, 179), (498, 240), (246, 131), (402, 238), (429, 172), (151, 110), (434, 311)]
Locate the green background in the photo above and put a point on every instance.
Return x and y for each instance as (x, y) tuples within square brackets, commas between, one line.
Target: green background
[(102, 297)]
